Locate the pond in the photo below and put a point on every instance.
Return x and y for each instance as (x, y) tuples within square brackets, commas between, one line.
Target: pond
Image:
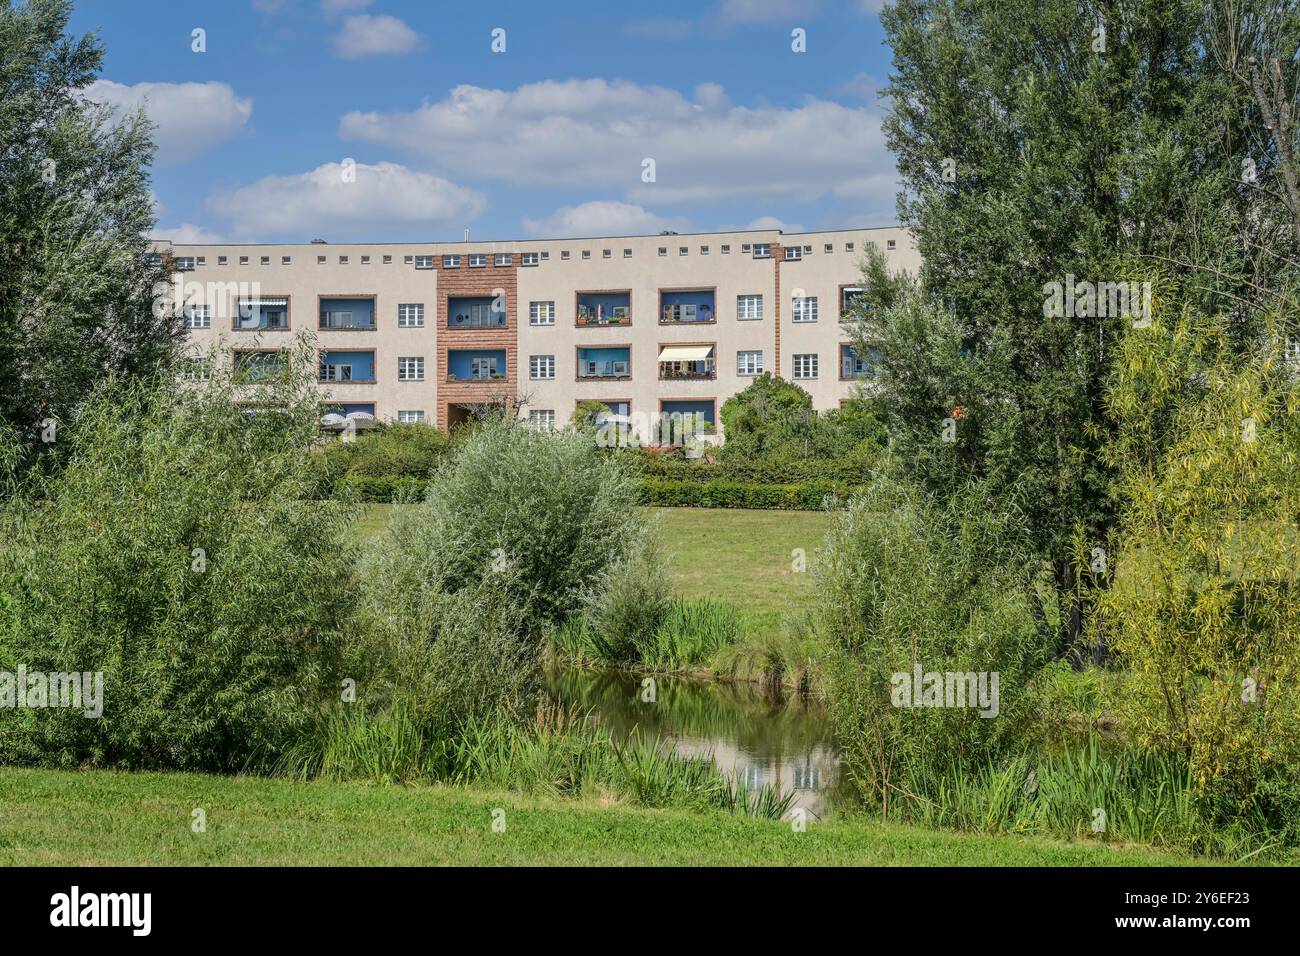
[(751, 734)]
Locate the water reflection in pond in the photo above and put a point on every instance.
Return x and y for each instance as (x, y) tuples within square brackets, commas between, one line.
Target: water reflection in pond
[(759, 738)]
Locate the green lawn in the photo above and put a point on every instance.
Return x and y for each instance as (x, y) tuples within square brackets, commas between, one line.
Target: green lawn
[(71, 818), (742, 557)]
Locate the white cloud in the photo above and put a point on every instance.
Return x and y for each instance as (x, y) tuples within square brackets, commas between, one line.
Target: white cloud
[(368, 35), (188, 233), (596, 133), (384, 197), (333, 8), (772, 222), (191, 117), (743, 12), (600, 218)]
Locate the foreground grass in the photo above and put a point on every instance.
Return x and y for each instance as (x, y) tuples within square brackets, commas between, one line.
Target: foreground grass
[(70, 818)]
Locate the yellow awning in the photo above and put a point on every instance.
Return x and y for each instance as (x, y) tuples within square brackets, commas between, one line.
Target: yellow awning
[(685, 353)]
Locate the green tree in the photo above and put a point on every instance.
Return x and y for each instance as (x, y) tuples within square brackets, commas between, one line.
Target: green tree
[(1039, 142), (77, 283)]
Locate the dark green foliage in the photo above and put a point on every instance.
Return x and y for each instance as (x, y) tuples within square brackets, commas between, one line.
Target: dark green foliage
[(806, 496), (76, 284)]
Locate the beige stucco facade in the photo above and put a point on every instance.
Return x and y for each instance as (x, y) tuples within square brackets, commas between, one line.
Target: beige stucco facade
[(516, 274)]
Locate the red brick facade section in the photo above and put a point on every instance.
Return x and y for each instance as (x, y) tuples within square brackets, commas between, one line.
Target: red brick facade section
[(477, 281), (778, 253)]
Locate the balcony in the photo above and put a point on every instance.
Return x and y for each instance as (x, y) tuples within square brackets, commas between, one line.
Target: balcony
[(267, 313), (347, 314), (853, 303), (476, 312), (343, 366), (260, 366), (604, 364), (476, 365), (852, 367), (686, 363), (679, 419), (604, 308), (687, 307)]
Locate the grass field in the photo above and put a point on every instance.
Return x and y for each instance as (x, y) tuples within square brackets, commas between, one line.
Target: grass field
[(742, 557), (109, 818)]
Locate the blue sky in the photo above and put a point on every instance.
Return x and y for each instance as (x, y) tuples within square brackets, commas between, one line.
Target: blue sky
[(547, 138)]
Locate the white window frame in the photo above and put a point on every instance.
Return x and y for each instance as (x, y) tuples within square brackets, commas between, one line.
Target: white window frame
[(410, 368), (478, 260), (762, 250), (793, 253), (502, 259), (410, 315), (542, 419), (530, 259), (805, 366), (745, 307), (424, 262), (198, 368), (451, 262), (537, 315), (803, 308), (749, 362), (411, 417), (541, 368), (198, 316)]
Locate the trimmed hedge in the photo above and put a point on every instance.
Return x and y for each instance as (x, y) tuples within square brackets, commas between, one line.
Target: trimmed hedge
[(805, 496), (795, 471)]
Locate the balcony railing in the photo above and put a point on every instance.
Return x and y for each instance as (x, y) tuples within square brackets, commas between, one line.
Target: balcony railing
[(696, 371), (477, 377), (494, 320), (590, 318), (345, 320), (687, 315), (604, 370)]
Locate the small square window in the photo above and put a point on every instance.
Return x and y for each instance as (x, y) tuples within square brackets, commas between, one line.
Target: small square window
[(683, 250), (243, 260), (564, 253), (424, 262), (320, 260), (530, 259), (586, 253), (202, 260), (848, 247), (663, 250), (407, 260), (365, 260), (744, 248), (266, 260), (545, 256), (890, 244), (704, 250), (829, 247), (606, 253), (343, 260), (477, 260), (627, 253), (285, 260), (221, 260), (726, 250), (388, 261), (451, 262), (503, 258)]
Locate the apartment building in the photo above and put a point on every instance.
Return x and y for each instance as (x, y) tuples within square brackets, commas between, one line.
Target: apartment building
[(648, 325)]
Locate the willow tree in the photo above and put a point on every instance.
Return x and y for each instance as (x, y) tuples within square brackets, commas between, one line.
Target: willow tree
[(76, 278), (1205, 609)]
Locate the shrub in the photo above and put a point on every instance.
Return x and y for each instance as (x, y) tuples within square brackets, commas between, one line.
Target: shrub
[(904, 584), (547, 511), (628, 607), (176, 554)]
